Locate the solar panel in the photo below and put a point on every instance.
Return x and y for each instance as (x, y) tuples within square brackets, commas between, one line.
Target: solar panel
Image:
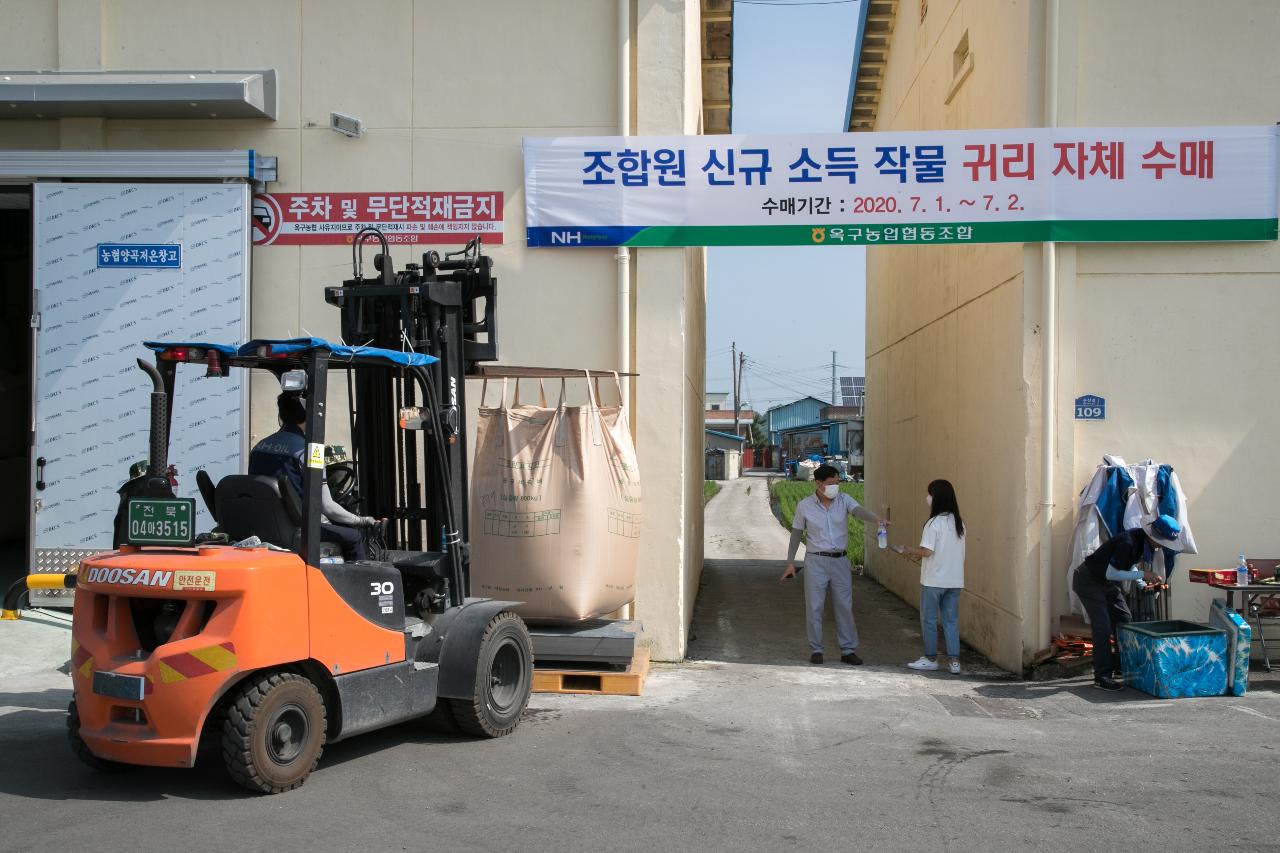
[(853, 390)]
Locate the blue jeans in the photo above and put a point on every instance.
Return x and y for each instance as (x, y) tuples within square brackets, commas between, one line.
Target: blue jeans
[(944, 600)]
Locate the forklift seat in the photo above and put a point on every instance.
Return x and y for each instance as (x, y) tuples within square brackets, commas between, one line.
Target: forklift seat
[(256, 506), (266, 508)]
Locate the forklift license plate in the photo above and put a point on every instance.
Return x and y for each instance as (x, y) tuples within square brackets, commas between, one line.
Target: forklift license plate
[(161, 521)]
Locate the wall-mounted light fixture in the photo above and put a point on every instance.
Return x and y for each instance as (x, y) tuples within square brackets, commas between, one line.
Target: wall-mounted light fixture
[(346, 125)]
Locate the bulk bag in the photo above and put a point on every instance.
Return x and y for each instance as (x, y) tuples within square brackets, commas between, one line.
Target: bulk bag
[(555, 506)]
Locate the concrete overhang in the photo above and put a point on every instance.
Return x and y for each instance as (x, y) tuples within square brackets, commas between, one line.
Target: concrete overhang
[(717, 66), (137, 94), (875, 30)]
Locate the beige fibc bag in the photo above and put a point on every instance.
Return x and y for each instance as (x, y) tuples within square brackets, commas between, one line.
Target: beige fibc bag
[(555, 506)]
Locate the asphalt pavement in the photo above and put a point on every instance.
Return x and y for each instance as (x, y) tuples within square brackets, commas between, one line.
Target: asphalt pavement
[(745, 747)]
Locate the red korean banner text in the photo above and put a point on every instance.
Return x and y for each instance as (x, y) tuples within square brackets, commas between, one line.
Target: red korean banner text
[(299, 219)]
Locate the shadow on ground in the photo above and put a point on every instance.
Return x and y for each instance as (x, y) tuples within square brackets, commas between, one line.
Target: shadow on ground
[(39, 764), (746, 614)]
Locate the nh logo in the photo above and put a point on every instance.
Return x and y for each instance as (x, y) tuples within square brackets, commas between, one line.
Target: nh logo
[(566, 237)]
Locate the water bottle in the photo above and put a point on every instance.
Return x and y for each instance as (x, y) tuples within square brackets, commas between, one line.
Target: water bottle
[(882, 536), (1242, 571)]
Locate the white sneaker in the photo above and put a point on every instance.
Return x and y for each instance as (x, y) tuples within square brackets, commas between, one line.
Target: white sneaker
[(955, 667), (924, 663)]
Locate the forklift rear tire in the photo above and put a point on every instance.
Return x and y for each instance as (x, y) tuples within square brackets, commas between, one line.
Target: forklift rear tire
[(79, 747), (274, 732), (504, 679)]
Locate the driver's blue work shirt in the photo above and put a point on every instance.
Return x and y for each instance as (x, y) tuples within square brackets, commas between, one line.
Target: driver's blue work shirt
[(283, 452)]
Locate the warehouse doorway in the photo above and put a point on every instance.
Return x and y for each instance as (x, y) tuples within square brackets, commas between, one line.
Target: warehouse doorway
[(15, 380), (770, 366)]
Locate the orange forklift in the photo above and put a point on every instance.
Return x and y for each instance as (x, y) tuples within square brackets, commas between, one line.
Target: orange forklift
[(257, 641)]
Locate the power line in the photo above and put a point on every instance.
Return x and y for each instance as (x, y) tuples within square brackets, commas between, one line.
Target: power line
[(760, 366), (805, 382), (792, 378), (790, 389), (825, 366)]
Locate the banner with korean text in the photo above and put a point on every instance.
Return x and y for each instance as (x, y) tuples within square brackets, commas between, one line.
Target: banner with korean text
[(1187, 184), (324, 218)]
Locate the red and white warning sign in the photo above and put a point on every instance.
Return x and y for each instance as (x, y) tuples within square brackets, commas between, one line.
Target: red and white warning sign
[(297, 219)]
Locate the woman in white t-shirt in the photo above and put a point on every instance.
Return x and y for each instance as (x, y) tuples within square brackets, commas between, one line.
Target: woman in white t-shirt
[(941, 553)]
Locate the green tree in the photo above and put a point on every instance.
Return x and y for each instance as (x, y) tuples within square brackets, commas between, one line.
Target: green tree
[(759, 436)]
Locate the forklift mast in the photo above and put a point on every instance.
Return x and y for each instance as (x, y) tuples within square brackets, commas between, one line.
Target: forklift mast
[(442, 307)]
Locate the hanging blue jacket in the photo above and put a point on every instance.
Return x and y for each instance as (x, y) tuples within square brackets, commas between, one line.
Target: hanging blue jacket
[(1111, 502), (1168, 504)]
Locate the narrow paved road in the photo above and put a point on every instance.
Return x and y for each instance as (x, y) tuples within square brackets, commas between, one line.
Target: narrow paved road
[(744, 613), (739, 524)]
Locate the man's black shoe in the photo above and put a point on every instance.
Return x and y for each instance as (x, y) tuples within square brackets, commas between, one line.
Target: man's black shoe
[(815, 658), (1104, 683), (851, 659)]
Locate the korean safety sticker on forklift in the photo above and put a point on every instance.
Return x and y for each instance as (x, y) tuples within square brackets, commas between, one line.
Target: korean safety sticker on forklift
[(315, 455), (194, 581)]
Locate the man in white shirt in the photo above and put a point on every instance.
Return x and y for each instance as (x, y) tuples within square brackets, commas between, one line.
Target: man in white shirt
[(823, 518)]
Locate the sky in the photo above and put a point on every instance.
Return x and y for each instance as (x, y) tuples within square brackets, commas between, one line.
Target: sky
[(791, 65)]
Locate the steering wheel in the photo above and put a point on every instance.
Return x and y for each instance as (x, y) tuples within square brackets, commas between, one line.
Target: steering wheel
[(342, 483)]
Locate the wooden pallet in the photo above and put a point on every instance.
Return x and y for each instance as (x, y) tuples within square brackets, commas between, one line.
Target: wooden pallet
[(628, 682)]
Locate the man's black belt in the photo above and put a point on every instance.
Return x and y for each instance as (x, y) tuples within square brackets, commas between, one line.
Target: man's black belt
[(829, 553)]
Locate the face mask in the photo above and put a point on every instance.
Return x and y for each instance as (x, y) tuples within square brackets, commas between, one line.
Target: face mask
[(928, 500), (831, 491)]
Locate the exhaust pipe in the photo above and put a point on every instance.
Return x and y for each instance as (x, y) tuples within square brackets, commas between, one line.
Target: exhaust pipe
[(158, 461)]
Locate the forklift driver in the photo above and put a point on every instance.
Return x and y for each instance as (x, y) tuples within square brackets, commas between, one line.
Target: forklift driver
[(284, 453)]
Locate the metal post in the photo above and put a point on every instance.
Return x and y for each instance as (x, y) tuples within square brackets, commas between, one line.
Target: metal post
[(1049, 359), (623, 255), (317, 365), (742, 361), (833, 377), (733, 377)]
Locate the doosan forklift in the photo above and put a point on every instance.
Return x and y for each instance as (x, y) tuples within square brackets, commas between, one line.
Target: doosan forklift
[(257, 642)]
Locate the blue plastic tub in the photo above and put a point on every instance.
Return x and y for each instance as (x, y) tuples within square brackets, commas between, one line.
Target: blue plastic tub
[(1174, 659)]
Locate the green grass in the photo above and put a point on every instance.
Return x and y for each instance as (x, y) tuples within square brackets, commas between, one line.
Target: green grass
[(787, 493), (710, 488)]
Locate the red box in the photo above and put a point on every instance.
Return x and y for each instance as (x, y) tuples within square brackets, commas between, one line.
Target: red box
[(1212, 575)]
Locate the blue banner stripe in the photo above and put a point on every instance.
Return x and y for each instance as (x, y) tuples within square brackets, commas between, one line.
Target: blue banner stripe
[(574, 237)]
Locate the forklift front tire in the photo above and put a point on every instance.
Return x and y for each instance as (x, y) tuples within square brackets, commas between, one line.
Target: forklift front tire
[(504, 679), (274, 732), (79, 747)]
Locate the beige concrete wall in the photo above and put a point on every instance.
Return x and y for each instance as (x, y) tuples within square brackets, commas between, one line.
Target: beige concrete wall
[(1176, 337), (946, 332), (670, 334), (446, 90), (1179, 339)]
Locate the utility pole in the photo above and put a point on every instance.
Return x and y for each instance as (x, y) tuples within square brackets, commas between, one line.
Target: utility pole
[(833, 378), (737, 392), (733, 373)]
